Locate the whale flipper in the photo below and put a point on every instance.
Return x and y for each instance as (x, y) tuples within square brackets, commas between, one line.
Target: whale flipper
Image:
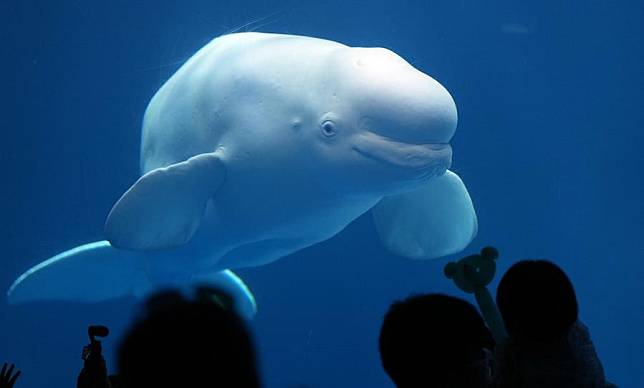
[(89, 273), (163, 209), (434, 221)]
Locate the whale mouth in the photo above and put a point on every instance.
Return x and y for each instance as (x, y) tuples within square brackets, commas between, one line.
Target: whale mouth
[(426, 159)]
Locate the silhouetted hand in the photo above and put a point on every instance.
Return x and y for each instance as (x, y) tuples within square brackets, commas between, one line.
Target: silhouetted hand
[(7, 377)]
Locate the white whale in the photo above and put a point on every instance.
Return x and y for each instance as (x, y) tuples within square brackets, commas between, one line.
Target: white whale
[(261, 145)]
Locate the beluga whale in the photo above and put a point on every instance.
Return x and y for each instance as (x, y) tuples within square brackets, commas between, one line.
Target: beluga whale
[(261, 145)]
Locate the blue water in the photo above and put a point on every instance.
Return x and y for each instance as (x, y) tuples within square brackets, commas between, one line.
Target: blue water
[(549, 144)]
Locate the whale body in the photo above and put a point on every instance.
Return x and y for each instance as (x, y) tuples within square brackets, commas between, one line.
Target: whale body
[(261, 145)]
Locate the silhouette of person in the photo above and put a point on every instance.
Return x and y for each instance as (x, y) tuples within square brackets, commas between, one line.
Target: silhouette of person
[(188, 343), (436, 340), (8, 377), (548, 346)]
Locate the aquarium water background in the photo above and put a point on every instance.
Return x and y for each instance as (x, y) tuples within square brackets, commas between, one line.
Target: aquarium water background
[(549, 143)]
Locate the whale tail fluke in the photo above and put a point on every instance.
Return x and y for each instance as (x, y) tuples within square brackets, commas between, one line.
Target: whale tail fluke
[(96, 272), (229, 282), (89, 273)]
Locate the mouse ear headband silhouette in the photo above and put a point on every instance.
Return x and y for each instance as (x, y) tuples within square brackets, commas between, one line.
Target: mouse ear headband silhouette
[(450, 270), (487, 253)]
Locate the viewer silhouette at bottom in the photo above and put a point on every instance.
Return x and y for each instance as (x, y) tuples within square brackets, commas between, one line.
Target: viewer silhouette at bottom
[(436, 341), (188, 344), (546, 345)]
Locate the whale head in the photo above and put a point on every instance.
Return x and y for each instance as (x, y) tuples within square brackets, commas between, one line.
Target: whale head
[(384, 125)]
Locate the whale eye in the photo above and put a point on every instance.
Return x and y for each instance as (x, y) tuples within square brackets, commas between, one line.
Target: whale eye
[(328, 128)]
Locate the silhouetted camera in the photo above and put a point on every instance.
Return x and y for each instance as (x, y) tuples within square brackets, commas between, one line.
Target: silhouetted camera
[(97, 331), (94, 349), (94, 372)]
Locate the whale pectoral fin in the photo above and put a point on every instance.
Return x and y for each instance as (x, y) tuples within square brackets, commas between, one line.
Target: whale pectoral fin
[(227, 281), (434, 221), (163, 209)]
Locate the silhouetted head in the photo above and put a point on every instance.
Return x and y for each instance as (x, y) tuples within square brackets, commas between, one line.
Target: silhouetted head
[(191, 344), (435, 341), (537, 301)]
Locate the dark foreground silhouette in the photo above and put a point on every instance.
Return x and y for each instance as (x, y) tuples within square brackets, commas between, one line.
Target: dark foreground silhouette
[(533, 339), (200, 343), (548, 346), (436, 340), (7, 376), (540, 340)]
